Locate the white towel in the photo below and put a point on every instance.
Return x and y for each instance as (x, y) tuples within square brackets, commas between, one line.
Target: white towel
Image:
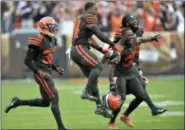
[(69, 55)]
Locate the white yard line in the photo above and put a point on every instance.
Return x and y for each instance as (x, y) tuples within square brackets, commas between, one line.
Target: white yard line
[(162, 103), (173, 113)]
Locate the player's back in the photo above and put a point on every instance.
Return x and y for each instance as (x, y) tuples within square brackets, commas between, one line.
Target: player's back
[(81, 33)]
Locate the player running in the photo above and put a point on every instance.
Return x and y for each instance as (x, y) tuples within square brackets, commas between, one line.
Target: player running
[(128, 75), (88, 62), (39, 59)]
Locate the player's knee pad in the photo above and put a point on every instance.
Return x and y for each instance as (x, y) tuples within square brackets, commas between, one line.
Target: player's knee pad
[(100, 67), (96, 71)]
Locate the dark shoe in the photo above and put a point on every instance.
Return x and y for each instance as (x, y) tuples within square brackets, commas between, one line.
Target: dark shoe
[(13, 104), (88, 96), (101, 110), (158, 111)]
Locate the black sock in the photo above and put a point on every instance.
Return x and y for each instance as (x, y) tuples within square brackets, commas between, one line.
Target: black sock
[(56, 112), (132, 106), (115, 114), (34, 102), (149, 102)]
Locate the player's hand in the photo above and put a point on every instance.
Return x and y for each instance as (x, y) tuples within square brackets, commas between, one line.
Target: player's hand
[(59, 70), (43, 74), (115, 58), (156, 38), (117, 47)]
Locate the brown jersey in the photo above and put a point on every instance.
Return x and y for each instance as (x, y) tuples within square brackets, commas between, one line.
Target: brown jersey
[(117, 37), (81, 33), (45, 47)]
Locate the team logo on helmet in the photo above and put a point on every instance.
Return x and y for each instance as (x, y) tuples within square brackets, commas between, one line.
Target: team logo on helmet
[(48, 26)]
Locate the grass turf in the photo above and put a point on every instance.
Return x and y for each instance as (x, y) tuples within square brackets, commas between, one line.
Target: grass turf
[(79, 114)]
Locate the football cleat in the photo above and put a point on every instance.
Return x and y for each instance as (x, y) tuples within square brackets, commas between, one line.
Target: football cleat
[(126, 120), (101, 110), (13, 104), (158, 111), (112, 126), (88, 96)]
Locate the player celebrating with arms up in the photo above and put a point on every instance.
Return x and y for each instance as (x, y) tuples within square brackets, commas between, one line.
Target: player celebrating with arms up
[(126, 72), (85, 27), (130, 22), (39, 59)]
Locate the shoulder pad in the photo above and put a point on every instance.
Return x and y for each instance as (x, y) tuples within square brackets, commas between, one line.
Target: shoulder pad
[(36, 41)]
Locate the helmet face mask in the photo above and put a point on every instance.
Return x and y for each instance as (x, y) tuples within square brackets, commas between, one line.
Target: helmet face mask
[(48, 26), (53, 28)]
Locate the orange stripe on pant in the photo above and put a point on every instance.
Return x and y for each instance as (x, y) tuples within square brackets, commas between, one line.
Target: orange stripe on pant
[(87, 55), (80, 53), (46, 88)]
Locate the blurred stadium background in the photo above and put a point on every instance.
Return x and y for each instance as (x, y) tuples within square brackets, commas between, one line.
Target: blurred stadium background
[(166, 58)]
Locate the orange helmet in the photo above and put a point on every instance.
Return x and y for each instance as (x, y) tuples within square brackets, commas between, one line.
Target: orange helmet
[(48, 26)]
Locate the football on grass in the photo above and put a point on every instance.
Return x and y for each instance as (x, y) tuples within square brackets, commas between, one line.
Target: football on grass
[(112, 101)]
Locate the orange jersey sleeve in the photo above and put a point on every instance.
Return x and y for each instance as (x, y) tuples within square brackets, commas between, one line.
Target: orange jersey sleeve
[(91, 19), (36, 41)]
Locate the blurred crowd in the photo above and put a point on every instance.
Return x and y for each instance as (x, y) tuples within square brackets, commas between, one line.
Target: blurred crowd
[(152, 15)]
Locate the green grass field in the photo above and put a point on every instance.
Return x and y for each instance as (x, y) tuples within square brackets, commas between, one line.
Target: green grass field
[(79, 114)]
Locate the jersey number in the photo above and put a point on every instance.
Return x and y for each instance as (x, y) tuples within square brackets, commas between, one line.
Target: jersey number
[(129, 59), (76, 28)]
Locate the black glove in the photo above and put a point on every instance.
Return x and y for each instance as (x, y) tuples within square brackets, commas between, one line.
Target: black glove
[(115, 58), (156, 38)]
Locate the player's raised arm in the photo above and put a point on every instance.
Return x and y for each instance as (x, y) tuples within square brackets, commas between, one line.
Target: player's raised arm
[(140, 40), (91, 21), (96, 46), (91, 25)]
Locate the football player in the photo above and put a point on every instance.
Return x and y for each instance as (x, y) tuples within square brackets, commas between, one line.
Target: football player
[(39, 59), (132, 76), (85, 27)]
